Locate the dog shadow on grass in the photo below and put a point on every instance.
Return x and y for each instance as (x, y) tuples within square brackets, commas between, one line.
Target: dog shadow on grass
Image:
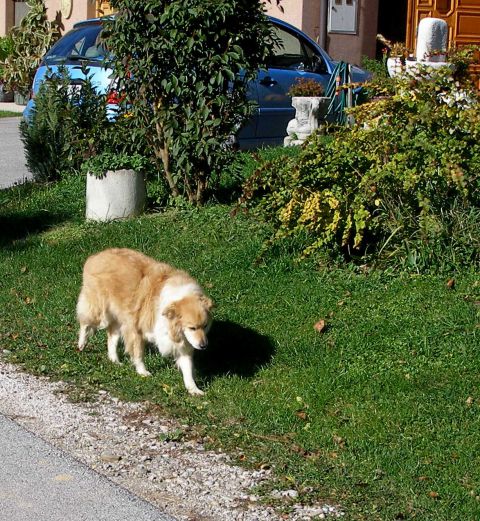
[(19, 226), (233, 349)]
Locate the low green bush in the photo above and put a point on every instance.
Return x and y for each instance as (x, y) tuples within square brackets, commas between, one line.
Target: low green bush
[(396, 187)]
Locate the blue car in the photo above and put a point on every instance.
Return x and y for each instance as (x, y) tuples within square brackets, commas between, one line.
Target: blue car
[(298, 56)]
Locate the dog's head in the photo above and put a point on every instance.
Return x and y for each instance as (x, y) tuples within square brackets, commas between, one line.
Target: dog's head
[(190, 317)]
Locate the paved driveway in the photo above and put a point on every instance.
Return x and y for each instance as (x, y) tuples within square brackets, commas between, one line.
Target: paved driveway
[(12, 156), (41, 483)]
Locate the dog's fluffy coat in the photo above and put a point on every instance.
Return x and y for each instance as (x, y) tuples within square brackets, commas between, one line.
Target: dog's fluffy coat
[(137, 298)]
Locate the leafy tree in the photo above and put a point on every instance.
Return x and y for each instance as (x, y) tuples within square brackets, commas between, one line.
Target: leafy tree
[(184, 67)]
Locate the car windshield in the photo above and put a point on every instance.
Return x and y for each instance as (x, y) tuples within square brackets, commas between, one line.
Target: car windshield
[(81, 43)]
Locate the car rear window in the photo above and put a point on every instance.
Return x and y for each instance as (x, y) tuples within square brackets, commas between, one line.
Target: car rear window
[(81, 43)]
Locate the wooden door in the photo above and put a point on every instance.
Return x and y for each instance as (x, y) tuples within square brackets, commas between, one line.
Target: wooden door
[(462, 16)]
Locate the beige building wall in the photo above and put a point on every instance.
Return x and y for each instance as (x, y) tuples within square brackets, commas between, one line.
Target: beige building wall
[(311, 17), (350, 47), (80, 10), (7, 16)]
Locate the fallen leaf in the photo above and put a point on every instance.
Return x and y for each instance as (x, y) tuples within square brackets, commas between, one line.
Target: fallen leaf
[(433, 494), (24, 269), (319, 326), (469, 400), (451, 283), (302, 415)]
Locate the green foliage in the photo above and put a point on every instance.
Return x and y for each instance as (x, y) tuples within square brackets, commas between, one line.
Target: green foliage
[(31, 40), (6, 49), (306, 87), (99, 164), (66, 127), (397, 184), (184, 66), (378, 68)]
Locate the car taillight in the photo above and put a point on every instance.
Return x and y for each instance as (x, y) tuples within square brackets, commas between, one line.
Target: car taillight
[(114, 98)]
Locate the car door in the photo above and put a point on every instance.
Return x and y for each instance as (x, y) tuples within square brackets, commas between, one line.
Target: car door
[(293, 57)]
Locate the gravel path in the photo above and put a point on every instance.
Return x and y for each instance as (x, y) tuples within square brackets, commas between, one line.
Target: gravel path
[(123, 441)]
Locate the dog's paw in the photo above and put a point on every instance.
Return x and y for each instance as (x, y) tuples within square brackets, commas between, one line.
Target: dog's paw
[(144, 373), (196, 392)]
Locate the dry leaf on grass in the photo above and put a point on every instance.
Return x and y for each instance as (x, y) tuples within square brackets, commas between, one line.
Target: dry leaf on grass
[(319, 326)]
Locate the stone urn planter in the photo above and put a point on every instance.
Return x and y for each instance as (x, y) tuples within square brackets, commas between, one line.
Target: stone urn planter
[(118, 194), (20, 99), (5, 96), (395, 66), (310, 112)]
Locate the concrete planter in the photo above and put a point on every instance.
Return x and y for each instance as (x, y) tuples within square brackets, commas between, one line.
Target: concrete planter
[(395, 66), (20, 99), (4, 95), (117, 195), (310, 112)]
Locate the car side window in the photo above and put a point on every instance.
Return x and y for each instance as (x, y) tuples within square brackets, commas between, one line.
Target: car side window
[(292, 52)]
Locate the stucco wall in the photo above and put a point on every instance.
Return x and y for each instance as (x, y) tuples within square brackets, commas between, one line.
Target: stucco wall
[(351, 48), (307, 15), (6, 16), (293, 11), (81, 10)]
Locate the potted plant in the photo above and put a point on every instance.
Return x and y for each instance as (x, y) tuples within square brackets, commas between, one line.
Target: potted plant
[(115, 185), (395, 55), (30, 41), (311, 107), (6, 49)]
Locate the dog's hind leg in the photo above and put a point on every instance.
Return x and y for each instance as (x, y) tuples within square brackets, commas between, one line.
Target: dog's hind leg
[(112, 343), (135, 347), (86, 330), (185, 364)]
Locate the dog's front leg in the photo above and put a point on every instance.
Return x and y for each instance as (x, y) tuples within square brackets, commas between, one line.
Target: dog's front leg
[(185, 364)]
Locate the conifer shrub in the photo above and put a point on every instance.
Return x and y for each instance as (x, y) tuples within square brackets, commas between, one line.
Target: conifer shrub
[(66, 127)]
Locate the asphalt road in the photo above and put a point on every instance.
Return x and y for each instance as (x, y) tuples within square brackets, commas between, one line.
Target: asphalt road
[(12, 156), (41, 483)]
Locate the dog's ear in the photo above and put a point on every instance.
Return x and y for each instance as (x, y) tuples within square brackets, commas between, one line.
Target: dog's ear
[(208, 303), (170, 312)]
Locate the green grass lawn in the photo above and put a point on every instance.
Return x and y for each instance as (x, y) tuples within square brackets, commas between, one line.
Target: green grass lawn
[(9, 114), (380, 412)]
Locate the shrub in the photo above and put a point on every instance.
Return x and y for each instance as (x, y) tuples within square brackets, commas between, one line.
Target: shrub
[(400, 181), (31, 40), (306, 87), (184, 66)]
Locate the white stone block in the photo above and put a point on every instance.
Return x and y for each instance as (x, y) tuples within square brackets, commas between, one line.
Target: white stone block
[(432, 40)]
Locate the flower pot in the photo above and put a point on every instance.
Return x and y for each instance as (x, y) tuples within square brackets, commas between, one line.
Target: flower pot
[(427, 69), (310, 112), (20, 99), (395, 66), (5, 97), (117, 195)]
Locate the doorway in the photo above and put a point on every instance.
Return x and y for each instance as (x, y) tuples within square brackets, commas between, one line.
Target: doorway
[(392, 22)]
